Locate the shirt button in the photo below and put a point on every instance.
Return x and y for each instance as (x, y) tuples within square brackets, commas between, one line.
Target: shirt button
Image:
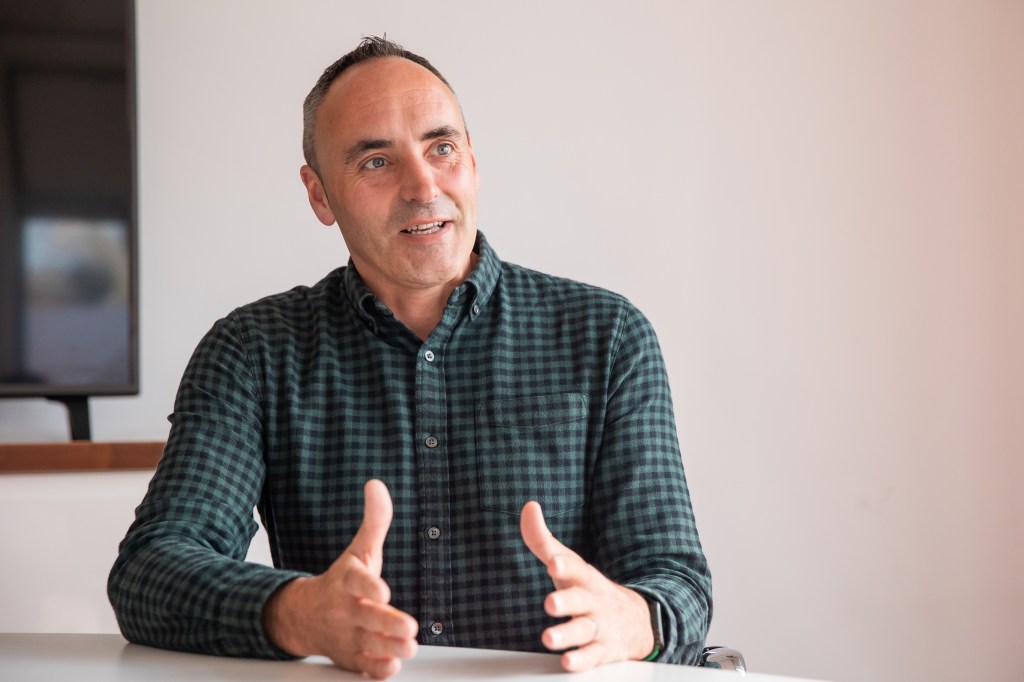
[(476, 309), (431, 442), (433, 532), (437, 627), (429, 356)]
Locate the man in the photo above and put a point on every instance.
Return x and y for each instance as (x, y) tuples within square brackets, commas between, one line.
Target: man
[(474, 402)]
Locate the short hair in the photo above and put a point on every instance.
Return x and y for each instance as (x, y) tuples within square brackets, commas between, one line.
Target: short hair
[(371, 47)]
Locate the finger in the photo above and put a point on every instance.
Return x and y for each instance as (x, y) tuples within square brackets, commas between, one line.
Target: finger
[(376, 645), (584, 658), (569, 568), (360, 582), (377, 668), (536, 535), (386, 620), (571, 601), (368, 544), (577, 632)]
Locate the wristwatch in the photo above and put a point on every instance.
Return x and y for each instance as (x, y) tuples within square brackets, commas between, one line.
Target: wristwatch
[(659, 638)]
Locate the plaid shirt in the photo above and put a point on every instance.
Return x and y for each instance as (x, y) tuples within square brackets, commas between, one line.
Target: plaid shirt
[(530, 388)]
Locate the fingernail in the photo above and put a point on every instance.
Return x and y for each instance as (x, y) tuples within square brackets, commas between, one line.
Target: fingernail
[(556, 604), (556, 639)]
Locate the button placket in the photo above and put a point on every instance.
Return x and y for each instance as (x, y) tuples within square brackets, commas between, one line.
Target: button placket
[(432, 470)]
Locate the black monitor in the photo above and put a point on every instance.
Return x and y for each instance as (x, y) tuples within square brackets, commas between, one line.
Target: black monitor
[(68, 254)]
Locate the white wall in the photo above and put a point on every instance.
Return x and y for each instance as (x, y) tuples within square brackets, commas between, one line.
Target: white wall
[(819, 204)]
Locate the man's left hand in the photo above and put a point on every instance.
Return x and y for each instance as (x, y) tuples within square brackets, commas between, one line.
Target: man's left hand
[(607, 622)]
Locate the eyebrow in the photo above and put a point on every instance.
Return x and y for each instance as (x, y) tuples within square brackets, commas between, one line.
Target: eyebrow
[(359, 148), (363, 146), (441, 131)]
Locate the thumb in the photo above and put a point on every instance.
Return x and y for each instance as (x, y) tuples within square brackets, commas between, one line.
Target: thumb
[(536, 535), (368, 544)]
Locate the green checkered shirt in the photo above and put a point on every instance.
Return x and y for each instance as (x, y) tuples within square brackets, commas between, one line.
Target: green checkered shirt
[(530, 388)]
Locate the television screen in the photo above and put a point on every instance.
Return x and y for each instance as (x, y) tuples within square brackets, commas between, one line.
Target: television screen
[(75, 325), (67, 209)]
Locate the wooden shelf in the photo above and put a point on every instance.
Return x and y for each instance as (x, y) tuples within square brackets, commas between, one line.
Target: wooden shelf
[(78, 456)]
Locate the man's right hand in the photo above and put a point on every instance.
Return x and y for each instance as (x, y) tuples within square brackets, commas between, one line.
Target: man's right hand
[(344, 613)]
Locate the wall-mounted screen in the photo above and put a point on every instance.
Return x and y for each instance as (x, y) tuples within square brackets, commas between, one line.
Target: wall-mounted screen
[(67, 200)]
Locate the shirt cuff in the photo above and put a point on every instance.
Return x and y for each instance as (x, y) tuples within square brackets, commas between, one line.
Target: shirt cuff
[(242, 614)]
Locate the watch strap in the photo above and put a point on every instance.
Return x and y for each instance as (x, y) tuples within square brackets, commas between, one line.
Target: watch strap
[(654, 606)]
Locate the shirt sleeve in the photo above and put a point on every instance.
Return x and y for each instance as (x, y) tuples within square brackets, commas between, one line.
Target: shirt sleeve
[(645, 535), (180, 580)]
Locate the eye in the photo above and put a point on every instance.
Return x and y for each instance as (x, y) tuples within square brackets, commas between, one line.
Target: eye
[(375, 163), (445, 148)]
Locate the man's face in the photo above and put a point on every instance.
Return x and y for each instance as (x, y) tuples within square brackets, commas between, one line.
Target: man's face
[(398, 174)]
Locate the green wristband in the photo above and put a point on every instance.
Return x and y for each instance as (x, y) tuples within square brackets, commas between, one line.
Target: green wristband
[(654, 654)]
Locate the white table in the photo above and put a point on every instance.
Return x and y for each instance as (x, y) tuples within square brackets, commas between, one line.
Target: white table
[(109, 658)]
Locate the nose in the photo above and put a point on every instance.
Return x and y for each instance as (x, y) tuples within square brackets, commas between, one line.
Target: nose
[(418, 182)]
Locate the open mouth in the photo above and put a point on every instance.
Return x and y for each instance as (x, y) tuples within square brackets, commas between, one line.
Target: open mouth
[(426, 228)]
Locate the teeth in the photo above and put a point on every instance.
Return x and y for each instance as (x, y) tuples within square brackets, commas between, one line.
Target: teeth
[(426, 228)]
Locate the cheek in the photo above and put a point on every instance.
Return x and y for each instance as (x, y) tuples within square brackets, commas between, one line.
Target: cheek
[(461, 176), (368, 187), (368, 197)]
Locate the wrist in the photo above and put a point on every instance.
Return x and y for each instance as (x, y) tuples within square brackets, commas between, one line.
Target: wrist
[(283, 624), (642, 641), (656, 630), (655, 644)]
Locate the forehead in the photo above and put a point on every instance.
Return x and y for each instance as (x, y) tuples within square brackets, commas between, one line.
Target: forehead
[(385, 97)]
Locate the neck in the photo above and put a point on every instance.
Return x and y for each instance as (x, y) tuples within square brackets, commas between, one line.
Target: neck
[(420, 311), (420, 308)]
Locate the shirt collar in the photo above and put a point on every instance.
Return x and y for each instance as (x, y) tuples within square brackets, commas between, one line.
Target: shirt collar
[(474, 292), (484, 277)]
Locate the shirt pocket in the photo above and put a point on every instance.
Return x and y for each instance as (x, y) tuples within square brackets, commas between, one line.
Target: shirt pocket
[(532, 448)]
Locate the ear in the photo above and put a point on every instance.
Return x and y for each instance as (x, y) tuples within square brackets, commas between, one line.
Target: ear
[(317, 196)]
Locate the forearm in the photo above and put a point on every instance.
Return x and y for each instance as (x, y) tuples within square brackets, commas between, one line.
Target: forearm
[(661, 557), (673, 571), (180, 580), (646, 537), (172, 592)]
